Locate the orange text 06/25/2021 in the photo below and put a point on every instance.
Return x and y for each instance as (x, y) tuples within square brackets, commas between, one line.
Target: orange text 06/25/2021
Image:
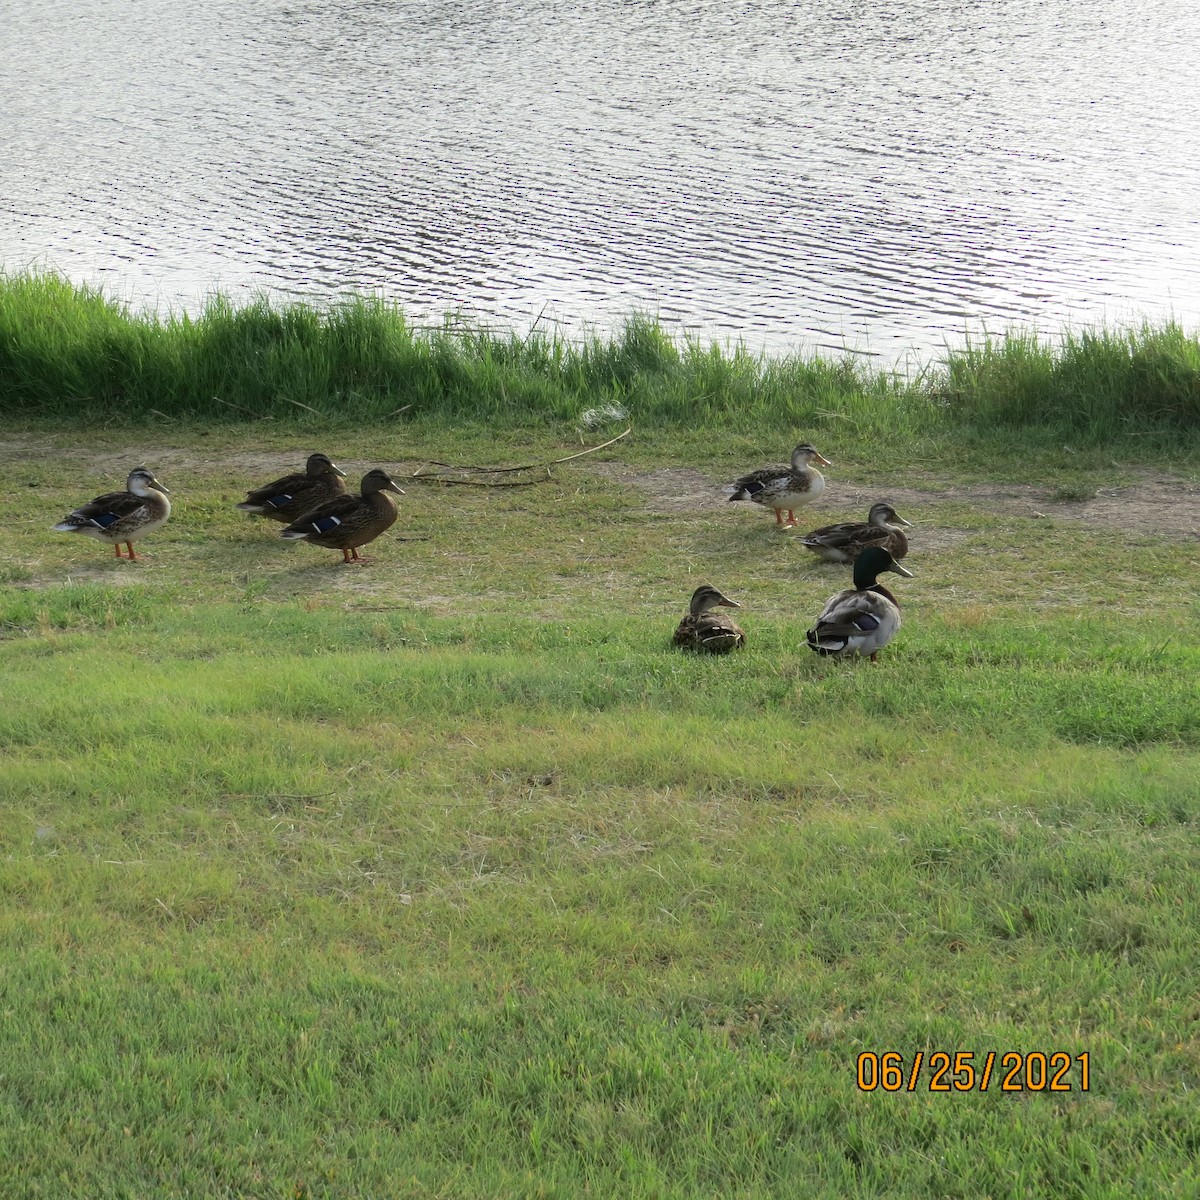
[(966, 1071)]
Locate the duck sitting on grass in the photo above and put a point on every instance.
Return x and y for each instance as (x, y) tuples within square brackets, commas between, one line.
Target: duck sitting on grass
[(294, 495), (864, 618), (118, 517), (844, 542), (708, 631), (347, 522), (782, 487)]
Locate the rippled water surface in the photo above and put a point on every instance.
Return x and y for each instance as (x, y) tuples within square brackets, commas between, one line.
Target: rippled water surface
[(885, 175)]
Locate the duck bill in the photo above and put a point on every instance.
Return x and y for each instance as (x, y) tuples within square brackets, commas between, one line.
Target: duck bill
[(725, 602), (822, 460), (337, 470), (391, 487), (901, 570), (901, 521)]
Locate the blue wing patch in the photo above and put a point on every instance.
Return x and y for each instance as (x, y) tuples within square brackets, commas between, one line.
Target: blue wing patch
[(866, 622), (754, 487), (278, 501), (104, 520), (325, 524)]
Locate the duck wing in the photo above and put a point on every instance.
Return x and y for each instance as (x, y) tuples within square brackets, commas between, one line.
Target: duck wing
[(709, 631), (749, 486), (105, 510), (851, 613), (278, 492), (325, 517), (847, 535)]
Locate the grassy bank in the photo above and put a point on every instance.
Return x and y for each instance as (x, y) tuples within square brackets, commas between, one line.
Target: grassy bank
[(67, 351), (447, 877)]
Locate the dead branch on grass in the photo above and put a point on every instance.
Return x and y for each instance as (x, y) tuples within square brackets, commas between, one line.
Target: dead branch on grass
[(433, 462)]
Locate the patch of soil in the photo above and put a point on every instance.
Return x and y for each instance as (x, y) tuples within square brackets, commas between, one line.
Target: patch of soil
[(1155, 504), (249, 468)]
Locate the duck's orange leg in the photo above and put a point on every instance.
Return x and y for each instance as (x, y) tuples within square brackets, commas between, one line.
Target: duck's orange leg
[(791, 517), (779, 516), (117, 548), (131, 553)]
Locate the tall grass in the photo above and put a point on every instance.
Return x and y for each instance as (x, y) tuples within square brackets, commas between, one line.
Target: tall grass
[(1107, 384), (67, 350)]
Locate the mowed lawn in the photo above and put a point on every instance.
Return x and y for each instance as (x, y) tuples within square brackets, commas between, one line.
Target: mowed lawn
[(446, 876)]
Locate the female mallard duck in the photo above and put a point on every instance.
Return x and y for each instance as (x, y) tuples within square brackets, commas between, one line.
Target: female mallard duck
[(347, 522), (782, 487), (294, 495), (704, 630), (118, 517), (843, 543), (864, 618)]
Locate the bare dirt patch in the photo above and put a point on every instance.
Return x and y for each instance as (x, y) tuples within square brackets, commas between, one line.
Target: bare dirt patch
[(1155, 504)]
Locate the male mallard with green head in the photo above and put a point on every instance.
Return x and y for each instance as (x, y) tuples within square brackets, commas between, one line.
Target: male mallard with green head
[(703, 629), (118, 517), (785, 488), (294, 495), (844, 542), (864, 618), (347, 522)]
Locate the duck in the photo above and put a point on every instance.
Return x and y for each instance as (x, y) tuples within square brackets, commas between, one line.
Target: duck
[(785, 488), (704, 630), (347, 522), (126, 516), (294, 495), (844, 542), (862, 619)]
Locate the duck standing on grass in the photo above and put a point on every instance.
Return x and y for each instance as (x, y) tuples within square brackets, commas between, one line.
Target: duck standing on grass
[(118, 517), (711, 632), (782, 487), (347, 522), (844, 542), (294, 495), (864, 618)]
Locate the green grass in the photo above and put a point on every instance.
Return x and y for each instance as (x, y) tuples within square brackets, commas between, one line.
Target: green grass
[(68, 351), (447, 877)]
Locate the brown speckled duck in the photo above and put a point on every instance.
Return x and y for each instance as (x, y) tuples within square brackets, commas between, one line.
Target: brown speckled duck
[(118, 517), (844, 542), (347, 522), (782, 487), (294, 495), (708, 631)]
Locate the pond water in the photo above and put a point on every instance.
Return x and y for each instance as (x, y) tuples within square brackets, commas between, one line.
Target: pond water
[(887, 176)]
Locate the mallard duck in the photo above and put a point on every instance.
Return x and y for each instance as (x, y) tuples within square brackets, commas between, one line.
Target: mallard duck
[(118, 517), (843, 543), (782, 487), (864, 618), (704, 630), (294, 495), (347, 522)]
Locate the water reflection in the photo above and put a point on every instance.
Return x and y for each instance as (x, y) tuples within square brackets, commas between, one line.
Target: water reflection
[(883, 175)]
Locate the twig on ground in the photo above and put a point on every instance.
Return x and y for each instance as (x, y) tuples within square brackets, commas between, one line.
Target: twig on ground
[(433, 462), (299, 405), (447, 482), (230, 404)]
